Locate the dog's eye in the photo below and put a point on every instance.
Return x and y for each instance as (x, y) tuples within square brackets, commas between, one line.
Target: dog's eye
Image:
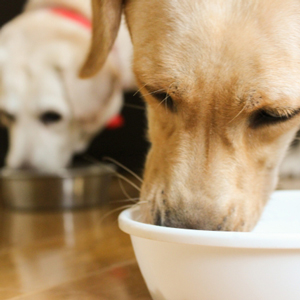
[(265, 117), (165, 99), (6, 118), (50, 117)]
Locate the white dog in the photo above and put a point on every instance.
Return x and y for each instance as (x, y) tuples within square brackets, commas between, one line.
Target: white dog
[(51, 113)]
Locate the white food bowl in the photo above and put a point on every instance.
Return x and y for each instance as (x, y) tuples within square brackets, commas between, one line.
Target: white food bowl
[(184, 264)]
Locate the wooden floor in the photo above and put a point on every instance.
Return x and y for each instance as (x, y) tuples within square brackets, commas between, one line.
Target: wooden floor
[(68, 255), (71, 255)]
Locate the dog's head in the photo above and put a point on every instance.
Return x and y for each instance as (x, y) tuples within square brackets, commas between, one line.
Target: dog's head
[(51, 113), (222, 84)]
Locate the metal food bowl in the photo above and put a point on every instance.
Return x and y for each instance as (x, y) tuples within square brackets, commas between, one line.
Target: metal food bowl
[(65, 189)]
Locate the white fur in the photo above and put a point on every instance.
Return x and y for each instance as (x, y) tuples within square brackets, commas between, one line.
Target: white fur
[(40, 55)]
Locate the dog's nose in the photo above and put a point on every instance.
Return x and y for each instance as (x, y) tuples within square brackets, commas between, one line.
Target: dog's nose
[(157, 219), (26, 166), (171, 219)]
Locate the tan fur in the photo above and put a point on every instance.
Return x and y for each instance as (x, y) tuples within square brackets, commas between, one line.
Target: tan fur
[(109, 13), (220, 61)]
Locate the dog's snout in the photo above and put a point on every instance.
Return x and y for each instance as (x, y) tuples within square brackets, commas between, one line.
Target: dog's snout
[(25, 166), (172, 218), (177, 222), (157, 219), (199, 218)]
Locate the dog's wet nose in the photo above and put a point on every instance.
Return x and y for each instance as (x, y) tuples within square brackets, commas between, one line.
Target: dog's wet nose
[(157, 219), (26, 166), (173, 219)]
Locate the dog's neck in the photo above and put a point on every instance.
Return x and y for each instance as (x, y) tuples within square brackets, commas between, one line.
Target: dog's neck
[(80, 6)]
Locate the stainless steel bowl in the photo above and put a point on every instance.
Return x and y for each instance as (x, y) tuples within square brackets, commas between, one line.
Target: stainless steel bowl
[(67, 188)]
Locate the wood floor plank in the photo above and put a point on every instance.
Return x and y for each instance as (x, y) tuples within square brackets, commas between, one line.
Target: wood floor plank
[(47, 264), (121, 282), (39, 251)]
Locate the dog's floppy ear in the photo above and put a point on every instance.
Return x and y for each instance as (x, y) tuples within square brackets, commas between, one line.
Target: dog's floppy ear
[(106, 21)]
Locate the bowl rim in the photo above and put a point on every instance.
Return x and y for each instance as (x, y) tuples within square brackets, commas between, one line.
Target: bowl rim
[(226, 239), (84, 171)]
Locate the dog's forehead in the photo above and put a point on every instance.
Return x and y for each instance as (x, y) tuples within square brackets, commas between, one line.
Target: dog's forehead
[(248, 46), (209, 22), (40, 39), (25, 91)]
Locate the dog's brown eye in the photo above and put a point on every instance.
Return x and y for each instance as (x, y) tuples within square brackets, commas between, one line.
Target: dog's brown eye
[(165, 99), (6, 118), (50, 117), (264, 117)]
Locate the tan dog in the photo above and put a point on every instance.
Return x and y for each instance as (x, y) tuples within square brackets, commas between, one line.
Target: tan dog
[(51, 113), (222, 84)]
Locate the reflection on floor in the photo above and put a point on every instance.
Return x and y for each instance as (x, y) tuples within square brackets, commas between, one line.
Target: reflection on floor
[(72, 254), (78, 254)]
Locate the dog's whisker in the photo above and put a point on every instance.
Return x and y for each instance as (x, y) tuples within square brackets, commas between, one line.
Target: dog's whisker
[(128, 181), (123, 188), (139, 89), (134, 106), (115, 210), (166, 99), (238, 114), (123, 167), (120, 209), (151, 93), (134, 200), (121, 177), (163, 101), (91, 159), (139, 218)]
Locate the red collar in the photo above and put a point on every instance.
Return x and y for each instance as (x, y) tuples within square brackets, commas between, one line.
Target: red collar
[(72, 15)]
